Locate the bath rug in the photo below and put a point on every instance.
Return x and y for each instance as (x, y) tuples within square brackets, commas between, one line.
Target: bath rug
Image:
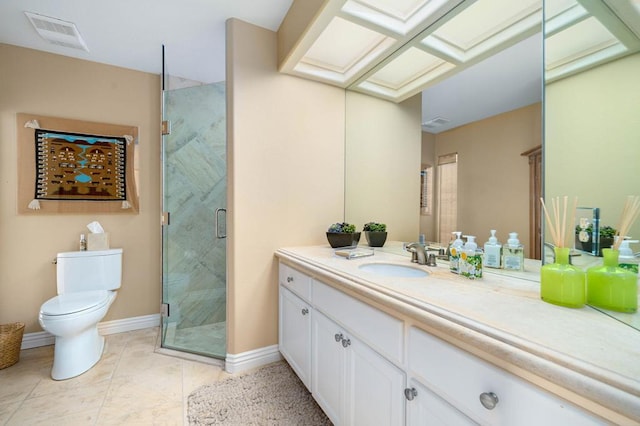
[(271, 395)]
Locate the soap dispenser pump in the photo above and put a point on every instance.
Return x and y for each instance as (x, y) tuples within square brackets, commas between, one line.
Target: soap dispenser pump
[(626, 258), (455, 250), (493, 252), (513, 253), (471, 259)]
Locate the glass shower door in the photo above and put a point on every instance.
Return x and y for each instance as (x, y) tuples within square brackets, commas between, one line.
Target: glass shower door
[(194, 200)]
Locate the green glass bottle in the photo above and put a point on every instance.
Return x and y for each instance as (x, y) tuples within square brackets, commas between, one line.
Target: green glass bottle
[(561, 283), (612, 287)]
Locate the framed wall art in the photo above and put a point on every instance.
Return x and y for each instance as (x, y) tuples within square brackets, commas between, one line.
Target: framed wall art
[(74, 166)]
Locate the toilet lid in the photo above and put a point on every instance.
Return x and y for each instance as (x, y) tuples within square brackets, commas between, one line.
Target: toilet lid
[(70, 303)]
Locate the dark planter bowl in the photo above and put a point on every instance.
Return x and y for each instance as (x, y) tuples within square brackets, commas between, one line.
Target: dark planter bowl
[(337, 239), (375, 238)]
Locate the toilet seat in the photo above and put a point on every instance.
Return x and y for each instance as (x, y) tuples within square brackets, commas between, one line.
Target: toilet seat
[(71, 303)]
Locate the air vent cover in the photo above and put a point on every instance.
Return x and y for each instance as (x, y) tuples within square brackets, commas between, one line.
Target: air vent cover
[(435, 122), (57, 31)]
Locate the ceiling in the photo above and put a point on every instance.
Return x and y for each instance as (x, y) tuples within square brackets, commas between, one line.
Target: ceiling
[(130, 33)]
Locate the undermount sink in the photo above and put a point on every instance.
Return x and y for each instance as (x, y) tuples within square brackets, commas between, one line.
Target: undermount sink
[(393, 270)]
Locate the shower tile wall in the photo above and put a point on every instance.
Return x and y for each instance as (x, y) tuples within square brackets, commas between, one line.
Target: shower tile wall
[(195, 185)]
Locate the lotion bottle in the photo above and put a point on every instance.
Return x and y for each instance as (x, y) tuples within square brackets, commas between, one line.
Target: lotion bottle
[(83, 242), (513, 253), (493, 252), (455, 250), (471, 259)]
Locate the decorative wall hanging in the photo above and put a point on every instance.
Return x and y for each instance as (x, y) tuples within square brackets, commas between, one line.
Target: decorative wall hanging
[(75, 166)]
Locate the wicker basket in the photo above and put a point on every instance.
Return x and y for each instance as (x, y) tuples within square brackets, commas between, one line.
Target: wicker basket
[(10, 342)]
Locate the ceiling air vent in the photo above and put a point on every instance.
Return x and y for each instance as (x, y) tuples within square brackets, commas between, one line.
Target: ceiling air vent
[(435, 122), (57, 31)]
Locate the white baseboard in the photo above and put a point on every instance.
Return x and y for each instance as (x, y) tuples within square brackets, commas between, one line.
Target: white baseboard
[(42, 338), (236, 363)]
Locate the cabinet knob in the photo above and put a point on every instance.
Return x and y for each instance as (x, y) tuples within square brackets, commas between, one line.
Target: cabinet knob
[(338, 337), (289, 279), (346, 342), (305, 311), (410, 393), (489, 400)]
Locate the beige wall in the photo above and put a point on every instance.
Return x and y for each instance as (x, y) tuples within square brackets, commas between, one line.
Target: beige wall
[(592, 138), (383, 164), (46, 84), (286, 176), (493, 178)]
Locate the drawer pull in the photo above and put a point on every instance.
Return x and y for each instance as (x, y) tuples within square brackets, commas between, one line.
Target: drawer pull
[(489, 400), (346, 342), (410, 393), (338, 337), (289, 279), (305, 311)]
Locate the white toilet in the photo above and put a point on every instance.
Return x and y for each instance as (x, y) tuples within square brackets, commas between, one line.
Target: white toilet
[(87, 282)]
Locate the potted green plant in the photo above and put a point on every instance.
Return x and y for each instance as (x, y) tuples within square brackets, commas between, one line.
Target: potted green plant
[(376, 233), (343, 234), (584, 238)]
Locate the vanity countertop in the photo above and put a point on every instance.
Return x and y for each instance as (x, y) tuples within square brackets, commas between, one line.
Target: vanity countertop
[(581, 350)]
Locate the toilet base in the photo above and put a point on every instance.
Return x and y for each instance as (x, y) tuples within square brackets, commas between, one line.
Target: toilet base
[(76, 354)]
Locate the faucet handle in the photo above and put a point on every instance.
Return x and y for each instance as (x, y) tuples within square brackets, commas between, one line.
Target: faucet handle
[(431, 260)]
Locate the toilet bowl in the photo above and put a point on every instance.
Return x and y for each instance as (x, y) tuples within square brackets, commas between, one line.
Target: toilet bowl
[(73, 320), (86, 284)]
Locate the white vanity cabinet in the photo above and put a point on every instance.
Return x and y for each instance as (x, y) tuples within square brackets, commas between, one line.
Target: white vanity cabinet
[(294, 323), (367, 367), (295, 334), (352, 383), (483, 392)]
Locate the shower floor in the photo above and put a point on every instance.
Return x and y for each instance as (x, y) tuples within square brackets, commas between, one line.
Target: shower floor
[(207, 339)]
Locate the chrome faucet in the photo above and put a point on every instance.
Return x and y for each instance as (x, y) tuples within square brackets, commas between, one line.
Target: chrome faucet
[(418, 252)]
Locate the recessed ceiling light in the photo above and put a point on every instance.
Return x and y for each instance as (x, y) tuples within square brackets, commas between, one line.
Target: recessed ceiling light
[(57, 31)]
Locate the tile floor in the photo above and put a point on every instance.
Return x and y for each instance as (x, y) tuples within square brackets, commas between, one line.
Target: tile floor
[(130, 385)]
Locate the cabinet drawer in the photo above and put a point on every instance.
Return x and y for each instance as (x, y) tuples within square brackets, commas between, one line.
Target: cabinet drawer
[(460, 378), (381, 331), (295, 281)]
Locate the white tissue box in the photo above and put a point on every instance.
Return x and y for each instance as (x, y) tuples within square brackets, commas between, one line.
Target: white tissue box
[(98, 241)]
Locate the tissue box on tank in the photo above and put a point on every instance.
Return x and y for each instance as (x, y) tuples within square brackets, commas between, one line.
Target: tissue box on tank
[(98, 241)]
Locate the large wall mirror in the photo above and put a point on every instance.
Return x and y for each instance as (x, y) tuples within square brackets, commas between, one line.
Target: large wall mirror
[(591, 124)]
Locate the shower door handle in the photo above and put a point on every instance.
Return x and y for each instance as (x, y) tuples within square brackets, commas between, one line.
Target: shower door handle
[(222, 234)]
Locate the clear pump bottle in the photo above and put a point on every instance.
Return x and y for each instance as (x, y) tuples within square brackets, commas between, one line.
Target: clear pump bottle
[(493, 252), (513, 253)]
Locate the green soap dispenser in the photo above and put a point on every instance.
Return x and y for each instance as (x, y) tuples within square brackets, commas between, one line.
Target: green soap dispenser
[(455, 250), (627, 260), (471, 259)]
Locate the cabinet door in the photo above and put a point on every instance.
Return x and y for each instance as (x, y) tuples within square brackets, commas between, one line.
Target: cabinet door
[(375, 387), (295, 334), (426, 408), (329, 361)]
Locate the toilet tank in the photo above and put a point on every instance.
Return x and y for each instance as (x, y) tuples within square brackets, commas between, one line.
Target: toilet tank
[(89, 270)]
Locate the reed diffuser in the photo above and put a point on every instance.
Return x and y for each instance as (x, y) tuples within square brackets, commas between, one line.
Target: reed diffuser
[(560, 282), (609, 286)]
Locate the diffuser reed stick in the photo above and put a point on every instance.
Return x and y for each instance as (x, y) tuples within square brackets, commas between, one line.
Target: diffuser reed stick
[(557, 227), (629, 215)]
